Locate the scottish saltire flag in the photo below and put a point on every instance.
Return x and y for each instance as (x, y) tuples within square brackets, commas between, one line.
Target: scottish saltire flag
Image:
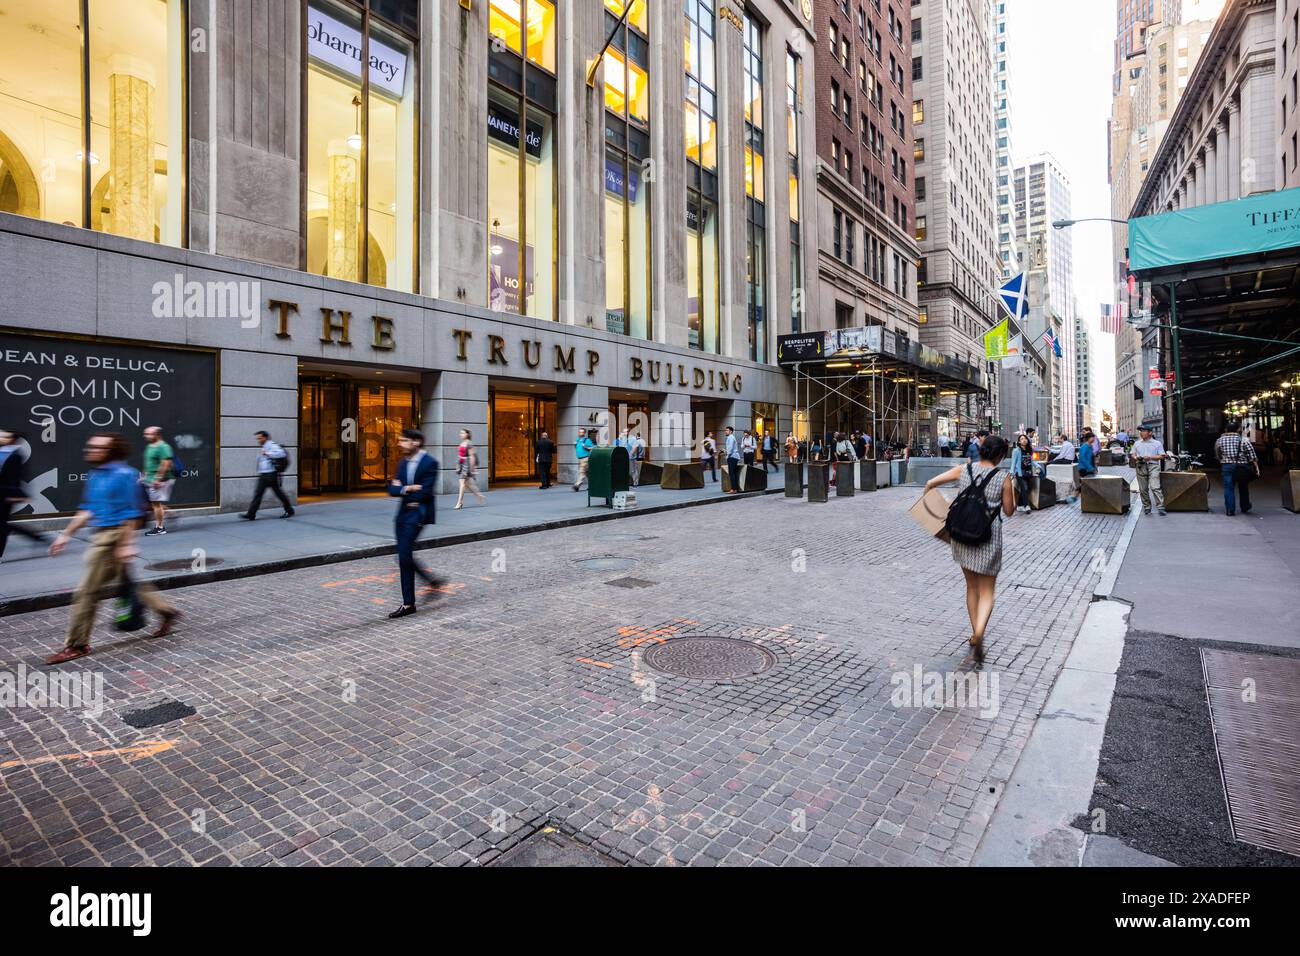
[(1015, 296)]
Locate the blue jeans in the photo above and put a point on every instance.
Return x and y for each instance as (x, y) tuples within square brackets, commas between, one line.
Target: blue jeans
[(1232, 484)]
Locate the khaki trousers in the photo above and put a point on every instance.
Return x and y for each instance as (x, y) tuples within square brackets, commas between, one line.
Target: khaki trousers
[(104, 571), (1148, 477), (582, 472)]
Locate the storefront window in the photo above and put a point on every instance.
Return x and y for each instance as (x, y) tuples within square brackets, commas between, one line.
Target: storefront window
[(521, 162), (627, 190), (128, 80), (361, 148), (701, 178), (756, 213)]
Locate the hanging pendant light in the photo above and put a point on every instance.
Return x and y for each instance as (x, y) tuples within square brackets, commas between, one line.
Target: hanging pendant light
[(354, 140)]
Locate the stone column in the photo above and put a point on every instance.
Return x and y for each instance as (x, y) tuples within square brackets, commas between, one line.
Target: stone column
[(1224, 161), (1199, 199), (1234, 150), (579, 406), (343, 213), (451, 401), (673, 431), (130, 146), (1211, 173)]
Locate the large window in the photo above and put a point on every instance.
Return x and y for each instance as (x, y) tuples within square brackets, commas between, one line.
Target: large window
[(793, 106), (92, 134), (520, 124), (701, 178), (755, 210), (627, 189), (361, 145)]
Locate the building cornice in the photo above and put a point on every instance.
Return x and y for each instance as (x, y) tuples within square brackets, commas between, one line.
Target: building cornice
[(1224, 39)]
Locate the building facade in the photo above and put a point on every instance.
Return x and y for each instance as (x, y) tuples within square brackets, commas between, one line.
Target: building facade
[(1223, 141), (215, 220), (1155, 73), (1008, 245), (955, 155), (865, 171)]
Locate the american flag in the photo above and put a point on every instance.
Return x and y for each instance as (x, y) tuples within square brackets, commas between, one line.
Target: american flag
[(1111, 319)]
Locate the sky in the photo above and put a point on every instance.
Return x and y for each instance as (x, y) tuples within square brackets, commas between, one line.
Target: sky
[(1060, 60)]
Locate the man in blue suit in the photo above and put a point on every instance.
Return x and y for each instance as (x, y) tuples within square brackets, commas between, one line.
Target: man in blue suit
[(417, 476)]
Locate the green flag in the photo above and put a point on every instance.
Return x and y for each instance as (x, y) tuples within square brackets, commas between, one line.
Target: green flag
[(995, 342)]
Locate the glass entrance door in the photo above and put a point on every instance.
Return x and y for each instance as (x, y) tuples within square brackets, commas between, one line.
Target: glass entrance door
[(338, 455), (516, 422), (382, 412)]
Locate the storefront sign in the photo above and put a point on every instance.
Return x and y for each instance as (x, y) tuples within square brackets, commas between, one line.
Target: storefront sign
[(335, 44), (800, 347), (59, 392), (1249, 226), (503, 126)]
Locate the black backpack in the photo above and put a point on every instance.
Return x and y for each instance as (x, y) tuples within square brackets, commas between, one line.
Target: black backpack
[(970, 519), (281, 464)]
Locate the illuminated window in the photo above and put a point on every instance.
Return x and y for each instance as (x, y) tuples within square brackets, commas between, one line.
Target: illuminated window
[(701, 179), (361, 149), (627, 191), (918, 111), (513, 20), (755, 211), (125, 173), (793, 86)]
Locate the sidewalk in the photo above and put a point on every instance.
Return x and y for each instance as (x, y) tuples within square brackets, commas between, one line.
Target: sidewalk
[(321, 532)]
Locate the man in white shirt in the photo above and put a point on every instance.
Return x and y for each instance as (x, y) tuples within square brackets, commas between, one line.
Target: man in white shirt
[(271, 460), (1147, 454), (636, 454), (1065, 454)]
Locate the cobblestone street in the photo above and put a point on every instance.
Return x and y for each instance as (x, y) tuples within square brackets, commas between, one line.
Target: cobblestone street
[(533, 693)]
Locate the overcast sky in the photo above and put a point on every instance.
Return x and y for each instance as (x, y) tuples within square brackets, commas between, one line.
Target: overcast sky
[(1060, 57)]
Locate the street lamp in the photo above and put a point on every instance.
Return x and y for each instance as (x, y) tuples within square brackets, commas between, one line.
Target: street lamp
[(1065, 223)]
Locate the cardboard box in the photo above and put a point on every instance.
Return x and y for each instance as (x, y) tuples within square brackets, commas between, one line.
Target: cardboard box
[(931, 513)]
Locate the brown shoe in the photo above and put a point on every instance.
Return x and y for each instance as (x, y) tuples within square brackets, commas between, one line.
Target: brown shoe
[(168, 619), (68, 654)]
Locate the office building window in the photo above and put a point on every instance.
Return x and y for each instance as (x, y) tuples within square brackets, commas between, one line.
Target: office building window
[(627, 192), (361, 147), (522, 232), (793, 105), (701, 178), (755, 206), (93, 134)]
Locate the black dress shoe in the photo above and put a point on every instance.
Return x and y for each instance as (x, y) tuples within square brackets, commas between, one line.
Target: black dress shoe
[(406, 610), (288, 514), (248, 517)]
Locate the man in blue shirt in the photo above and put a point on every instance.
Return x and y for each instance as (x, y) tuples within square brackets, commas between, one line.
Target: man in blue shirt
[(582, 448), (114, 505), (733, 460)]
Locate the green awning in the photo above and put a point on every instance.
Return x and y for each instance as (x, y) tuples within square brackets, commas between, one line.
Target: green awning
[(1262, 223)]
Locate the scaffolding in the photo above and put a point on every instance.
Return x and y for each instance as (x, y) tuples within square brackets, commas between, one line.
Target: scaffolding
[(892, 399)]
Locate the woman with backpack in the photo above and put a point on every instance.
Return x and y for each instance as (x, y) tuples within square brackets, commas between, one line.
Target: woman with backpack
[(1022, 468), (975, 529)]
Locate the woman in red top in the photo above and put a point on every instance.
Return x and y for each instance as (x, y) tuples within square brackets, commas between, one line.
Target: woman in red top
[(466, 462)]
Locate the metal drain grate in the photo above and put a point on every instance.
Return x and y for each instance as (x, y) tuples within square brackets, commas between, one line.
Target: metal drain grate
[(184, 564), (607, 563), (1255, 712), (549, 847), (631, 583), (163, 713), (710, 658)]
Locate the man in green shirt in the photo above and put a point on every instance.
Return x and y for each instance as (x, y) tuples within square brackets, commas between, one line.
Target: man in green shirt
[(159, 476)]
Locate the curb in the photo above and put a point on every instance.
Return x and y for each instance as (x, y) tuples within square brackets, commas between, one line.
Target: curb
[(1104, 588), (44, 602)]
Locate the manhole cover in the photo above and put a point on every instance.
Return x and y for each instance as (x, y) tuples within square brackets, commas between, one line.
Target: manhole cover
[(630, 583), (548, 847), (710, 658), (163, 713), (184, 564), (606, 564)]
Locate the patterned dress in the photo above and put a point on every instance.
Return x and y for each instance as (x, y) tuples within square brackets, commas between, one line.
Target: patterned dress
[(983, 558)]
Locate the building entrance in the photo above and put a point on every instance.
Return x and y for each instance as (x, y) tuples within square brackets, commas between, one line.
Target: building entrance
[(348, 431), (515, 422)]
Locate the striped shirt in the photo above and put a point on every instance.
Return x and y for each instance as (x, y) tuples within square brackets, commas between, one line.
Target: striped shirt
[(1232, 449)]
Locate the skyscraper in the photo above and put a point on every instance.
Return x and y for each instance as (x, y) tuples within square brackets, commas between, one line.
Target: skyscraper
[(956, 217), (1008, 248)]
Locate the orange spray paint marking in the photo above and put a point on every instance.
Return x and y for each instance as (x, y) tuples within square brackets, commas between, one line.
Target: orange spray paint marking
[(587, 660), (146, 748)]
